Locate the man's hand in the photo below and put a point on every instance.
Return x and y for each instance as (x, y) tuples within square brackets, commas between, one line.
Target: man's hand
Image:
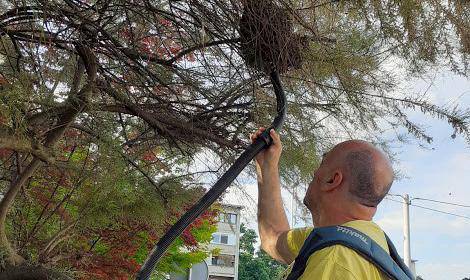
[(269, 157)]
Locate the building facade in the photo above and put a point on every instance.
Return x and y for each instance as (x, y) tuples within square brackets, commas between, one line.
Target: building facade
[(224, 264), (226, 241)]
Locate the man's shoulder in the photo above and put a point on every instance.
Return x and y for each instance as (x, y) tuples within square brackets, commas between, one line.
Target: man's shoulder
[(338, 261), (371, 229), (296, 237)]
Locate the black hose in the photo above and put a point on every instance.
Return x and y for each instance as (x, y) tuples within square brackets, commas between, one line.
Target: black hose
[(220, 186)]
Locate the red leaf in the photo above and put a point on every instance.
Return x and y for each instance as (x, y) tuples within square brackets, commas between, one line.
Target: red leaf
[(174, 49), (5, 153), (149, 156), (190, 57), (165, 22), (3, 81)]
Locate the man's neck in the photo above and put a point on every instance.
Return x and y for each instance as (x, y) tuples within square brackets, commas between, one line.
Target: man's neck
[(333, 221), (334, 218)]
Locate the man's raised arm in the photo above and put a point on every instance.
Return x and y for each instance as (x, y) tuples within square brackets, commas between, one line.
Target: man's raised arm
[(272, 220)]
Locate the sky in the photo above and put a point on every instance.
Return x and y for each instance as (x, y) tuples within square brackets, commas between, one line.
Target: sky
[(439, 242), (440, 171)]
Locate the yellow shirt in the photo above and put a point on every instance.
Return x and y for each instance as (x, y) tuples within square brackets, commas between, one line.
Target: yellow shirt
[(339, 262)]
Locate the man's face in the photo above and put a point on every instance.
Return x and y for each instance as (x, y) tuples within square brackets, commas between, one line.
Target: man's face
[(312, 196)]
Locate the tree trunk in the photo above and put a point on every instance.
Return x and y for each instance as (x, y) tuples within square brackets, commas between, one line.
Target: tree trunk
[(12, 257), (54, 241), (75, 104), (32, 273)]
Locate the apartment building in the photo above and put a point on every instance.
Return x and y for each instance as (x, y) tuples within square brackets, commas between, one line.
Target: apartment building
[(224, 265)]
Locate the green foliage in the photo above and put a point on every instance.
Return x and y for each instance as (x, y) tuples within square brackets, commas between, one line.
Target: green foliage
[(183, 253), (111, 204), (256, 266), (247, 240), (253, 269), (101, 248)]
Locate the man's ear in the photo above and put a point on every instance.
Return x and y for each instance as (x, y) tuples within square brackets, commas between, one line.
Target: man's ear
[(334, 181)]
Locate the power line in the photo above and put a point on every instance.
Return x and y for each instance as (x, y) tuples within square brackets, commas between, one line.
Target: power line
[(443, 202), (431, 209), (439, 211), (431, 200)]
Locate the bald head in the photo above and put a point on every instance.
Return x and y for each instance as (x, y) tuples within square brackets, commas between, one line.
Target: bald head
[(350, 182), (366, 168)]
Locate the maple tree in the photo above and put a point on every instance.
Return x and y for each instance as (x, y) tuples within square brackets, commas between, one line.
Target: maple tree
[(92, 219)]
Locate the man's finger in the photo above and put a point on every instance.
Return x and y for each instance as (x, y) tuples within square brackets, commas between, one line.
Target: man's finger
[(255, 135), (275, 136), (259, 131)]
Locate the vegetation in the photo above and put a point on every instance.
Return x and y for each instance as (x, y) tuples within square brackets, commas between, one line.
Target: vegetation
[(259, 265), (115, 115)]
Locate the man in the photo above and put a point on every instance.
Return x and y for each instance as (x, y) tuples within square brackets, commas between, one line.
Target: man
[(346, 188)]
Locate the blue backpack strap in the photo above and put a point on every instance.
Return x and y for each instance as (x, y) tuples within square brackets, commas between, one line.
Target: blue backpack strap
[(396, 257), (390, 264)]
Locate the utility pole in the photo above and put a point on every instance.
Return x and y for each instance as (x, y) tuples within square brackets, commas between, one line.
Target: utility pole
[(406, 231)]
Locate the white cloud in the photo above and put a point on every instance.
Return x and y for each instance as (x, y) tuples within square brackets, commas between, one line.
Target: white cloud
[(392, 221), (445, 270)]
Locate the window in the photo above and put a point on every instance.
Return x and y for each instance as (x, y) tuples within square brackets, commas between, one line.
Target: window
[(223, 238), (215, 260), (228, 218), (232, 218), (215, 238), (214, 277), (223, 260)]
